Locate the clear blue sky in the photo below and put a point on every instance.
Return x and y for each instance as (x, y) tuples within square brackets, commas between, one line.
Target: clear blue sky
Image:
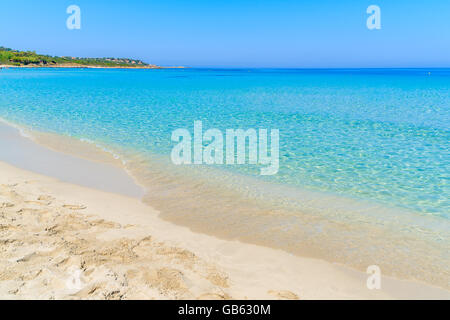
[(231, 33)]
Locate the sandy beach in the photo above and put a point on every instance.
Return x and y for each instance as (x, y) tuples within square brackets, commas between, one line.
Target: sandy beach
[(68, 237)]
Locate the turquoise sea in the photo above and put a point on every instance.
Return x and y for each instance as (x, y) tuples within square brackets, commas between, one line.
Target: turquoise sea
[(371, 141)]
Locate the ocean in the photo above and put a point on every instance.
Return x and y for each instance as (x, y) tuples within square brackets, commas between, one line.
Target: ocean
[(364, 157)]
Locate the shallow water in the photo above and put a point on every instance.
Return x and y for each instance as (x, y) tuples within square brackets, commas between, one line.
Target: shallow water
[(22, 152), (364, 154)]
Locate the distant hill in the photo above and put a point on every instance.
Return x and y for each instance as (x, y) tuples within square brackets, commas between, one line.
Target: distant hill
[(17, 58)]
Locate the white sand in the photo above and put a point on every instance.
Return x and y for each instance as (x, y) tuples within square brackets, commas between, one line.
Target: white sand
[(54, 233)]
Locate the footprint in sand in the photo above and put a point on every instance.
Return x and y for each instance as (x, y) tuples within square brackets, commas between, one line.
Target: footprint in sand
[(6, 205), (27, 257), (45, 198), (11, 194), (284, 295), (12, 185), (37, 203), (74, 207), (31, 181), (213, 296)]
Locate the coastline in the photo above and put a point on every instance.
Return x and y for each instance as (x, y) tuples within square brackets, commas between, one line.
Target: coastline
[(176, 264), (70, 66)]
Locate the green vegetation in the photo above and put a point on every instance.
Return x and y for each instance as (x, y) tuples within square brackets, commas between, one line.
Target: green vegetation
[(30, 58)]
